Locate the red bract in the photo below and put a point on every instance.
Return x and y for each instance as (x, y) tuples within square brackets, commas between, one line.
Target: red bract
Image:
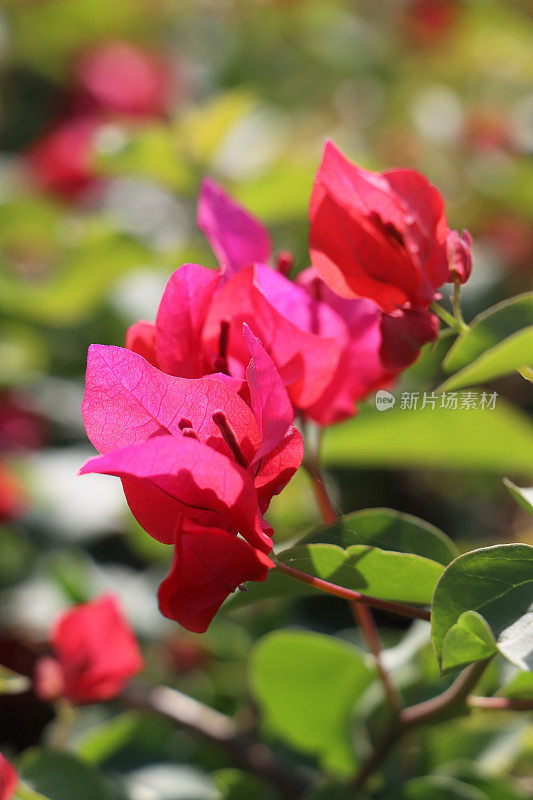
[(61, 161), (459, 256), (123, 78), (237, 238), (8, 779), (95, 651), (198, 466), (377, 235)]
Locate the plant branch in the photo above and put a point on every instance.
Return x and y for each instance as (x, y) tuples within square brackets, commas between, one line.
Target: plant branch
[(452, 699), (501, 703), (363, 615), (365, 620), (325, 504), (445, 316), (247, 752), (349, 594), (456, 304)]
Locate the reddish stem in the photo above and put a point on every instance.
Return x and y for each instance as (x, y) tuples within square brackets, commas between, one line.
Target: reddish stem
[(501, 703), (365, 620), (349, 594)]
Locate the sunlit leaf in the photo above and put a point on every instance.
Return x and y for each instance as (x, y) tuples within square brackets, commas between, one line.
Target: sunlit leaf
[(306, 685), (388, 530), (486, 440), (499, 341), (497, 583)]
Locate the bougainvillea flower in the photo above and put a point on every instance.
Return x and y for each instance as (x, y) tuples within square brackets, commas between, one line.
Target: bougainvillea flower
[(61, 161), (122, 78), (236, 237), (459, 256), (327, 350), (194, 458), (95, 654), (8, 779), (377, 235)]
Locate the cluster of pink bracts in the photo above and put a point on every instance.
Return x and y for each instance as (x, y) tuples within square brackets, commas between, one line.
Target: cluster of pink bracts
[(195, 414)]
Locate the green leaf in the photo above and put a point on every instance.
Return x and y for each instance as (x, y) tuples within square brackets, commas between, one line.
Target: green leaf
[(496, 582), (490, 441), (234, 784), (13, 683), (56, 774), (400, 577), (380, 530), (102, 741), (388, 530), (522, 495), (440, 787), (25, 792), (470, 639), (498, 342), (306, 685)]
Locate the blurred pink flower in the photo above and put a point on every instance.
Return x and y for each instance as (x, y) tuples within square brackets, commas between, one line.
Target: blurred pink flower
[(95, 654), (61, 161), (125, 79)]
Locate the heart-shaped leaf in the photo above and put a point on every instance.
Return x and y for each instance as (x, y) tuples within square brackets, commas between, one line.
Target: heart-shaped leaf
[(388, 530), (470, 639), (497, 583), (400, 577), (306, 685)]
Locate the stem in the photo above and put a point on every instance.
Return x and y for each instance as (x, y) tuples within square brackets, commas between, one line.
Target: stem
[(321, 493), (445, 316), (349, 594), (501, 703), (247, 752), (452, 699), (456, 304), (363, 615), (365, 620)]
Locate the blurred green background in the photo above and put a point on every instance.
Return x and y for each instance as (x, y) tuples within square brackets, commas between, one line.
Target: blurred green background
[(251, 90)]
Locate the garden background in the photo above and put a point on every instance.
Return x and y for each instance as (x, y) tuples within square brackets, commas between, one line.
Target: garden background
[(92, 223)]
